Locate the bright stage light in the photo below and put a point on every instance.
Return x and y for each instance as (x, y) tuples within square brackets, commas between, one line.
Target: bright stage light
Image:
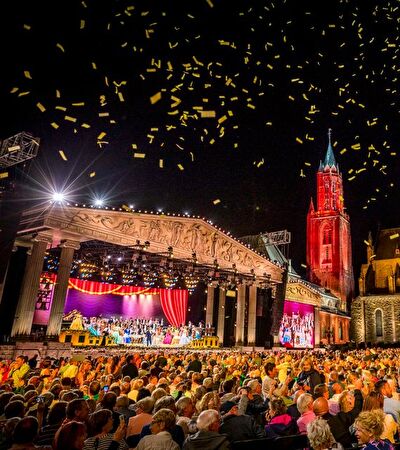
[(98, 202), (58, 197)]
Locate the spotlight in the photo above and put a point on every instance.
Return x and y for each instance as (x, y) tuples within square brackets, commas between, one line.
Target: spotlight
[(98, 202), (58, 197)]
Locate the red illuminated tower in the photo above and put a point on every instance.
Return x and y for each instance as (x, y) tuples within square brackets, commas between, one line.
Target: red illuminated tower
[(329, 260)]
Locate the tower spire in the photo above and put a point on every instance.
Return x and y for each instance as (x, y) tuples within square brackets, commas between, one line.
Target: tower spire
[(330, 160)]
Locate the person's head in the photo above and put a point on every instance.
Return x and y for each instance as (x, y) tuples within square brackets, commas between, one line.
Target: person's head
[(26, 430), (101, 421), (158, 393), (384, 388), (271, 370), (163, 420), (319, 434), (166, 402), (321, 390), (78, 410), (184, 407), (57, 413), (68, 396), (320, 406), (208, 420), (19, 361), (374, 400), (70, 436), (306, 364), (5, 397), (94, 388), (15, 408), (109, 400), (122, 402), (337, 388), (277, 407), (346, 401), (305, 403), (369, 425), (143, 393), (210, 400), (255, 386), (145, 405)]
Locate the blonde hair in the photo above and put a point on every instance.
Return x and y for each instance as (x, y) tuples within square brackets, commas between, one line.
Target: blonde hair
[(210, 396), (373, 421), (319, 434), (165, 415), (303, 402), (307, 359)]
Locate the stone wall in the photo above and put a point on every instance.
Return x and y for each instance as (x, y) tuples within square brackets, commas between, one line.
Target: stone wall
[(363, 318), (51, 349)]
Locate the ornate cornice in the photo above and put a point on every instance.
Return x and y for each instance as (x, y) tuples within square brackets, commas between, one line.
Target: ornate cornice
[(186, 235)]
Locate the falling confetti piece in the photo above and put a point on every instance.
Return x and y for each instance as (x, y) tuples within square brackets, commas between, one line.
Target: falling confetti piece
[(62, 154), (60, 47), (27, 74), (101, 136), (155, 98), (92, 174), (216, 201), (180, 167), (139, 155), (394, 236), (41, 107)]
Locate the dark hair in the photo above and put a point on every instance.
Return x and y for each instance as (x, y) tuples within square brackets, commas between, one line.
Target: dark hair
[(268, 367), (26, 430), (16, 408), (374, 400), (94, 387), (143, 393), (278, 406), (66, 435), (320, 390), (98, 419), (57, 413), (73, 406), (379, 385), (4, 399), (109, 400)]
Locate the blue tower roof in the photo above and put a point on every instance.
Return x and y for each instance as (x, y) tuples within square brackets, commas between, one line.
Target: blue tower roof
[(330, 160)]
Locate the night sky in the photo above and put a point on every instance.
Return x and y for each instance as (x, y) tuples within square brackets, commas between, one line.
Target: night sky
[(209, 107)]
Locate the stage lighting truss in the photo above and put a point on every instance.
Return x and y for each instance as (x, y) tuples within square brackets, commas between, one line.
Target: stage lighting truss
[(18, 149)]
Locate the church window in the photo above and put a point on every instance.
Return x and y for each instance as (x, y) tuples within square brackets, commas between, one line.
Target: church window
[(327, 236), (378, 323)]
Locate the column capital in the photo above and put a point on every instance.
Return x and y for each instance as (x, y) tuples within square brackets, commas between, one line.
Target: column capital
[(43, 237), (68, 243)]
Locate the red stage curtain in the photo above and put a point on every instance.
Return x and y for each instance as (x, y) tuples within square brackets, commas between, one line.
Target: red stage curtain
[(96, 288), (174, 303)]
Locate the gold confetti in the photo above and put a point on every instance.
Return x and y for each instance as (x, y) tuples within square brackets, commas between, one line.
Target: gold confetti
[(180, 167), (101, 135), (70, 119), (14, 90), (139, 155), (55, 125), (82, 25), (60, 47), (27, 27), (216, 201), (92, 174), (155, 98), (3, 175), (85, 125), (27, 74), (161, 163), (299, 140), (394, 236), (41, 107), (62, 154)]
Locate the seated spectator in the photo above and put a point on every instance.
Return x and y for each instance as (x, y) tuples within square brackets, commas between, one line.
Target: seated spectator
[(321, 408), (15, 408), (390, 405), (122, 407), (8, 430), (70, 436), (208, 437), (238, 427), (25, 433), (77, 410), (160, 439), (100, 425), (55, 417), (305, 407), (185, 410), (143, 416), (320, 435), (108, 402), (350, 406), (292, 408), (279, 423), (369, 426), (375, 401)]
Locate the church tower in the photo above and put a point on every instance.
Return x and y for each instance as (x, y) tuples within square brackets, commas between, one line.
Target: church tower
[(329, 258)]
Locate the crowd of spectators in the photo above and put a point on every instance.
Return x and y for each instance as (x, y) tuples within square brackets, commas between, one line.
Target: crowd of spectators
[(178, 399)]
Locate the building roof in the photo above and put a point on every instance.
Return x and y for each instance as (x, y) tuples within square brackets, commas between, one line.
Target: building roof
[(330, 160)]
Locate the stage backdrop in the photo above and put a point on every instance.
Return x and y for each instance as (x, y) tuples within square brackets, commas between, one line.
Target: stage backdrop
[(297, 326), (95, 299)]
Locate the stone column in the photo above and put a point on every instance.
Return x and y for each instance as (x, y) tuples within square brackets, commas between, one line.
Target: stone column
[(251, 328), (221, 316), (61, 287), (241, 297), (26, 304), (210, 305), (317, 327), (394, 322)]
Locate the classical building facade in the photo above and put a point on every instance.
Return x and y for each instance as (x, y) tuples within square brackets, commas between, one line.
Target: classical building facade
[(376, 311), (329, 256), (189, 238)]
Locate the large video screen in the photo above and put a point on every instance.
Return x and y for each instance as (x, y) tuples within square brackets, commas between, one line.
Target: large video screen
[(297, 326)]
